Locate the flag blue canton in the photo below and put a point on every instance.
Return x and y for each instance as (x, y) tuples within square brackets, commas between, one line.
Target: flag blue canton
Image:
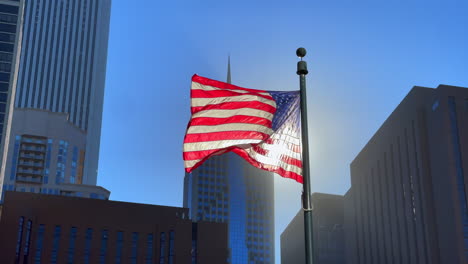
[(287, 111)]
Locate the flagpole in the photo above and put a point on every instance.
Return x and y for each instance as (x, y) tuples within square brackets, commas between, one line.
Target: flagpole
[(306, 193)]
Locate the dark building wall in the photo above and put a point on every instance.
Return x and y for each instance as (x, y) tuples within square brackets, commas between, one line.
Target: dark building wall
[(328, 232), (68, 227), (408, 191)]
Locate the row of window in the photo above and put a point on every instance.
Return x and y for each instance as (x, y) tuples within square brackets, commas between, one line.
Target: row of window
[(103, 250)]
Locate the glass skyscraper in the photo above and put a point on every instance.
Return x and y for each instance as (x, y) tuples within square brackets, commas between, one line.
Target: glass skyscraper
[(229, 190), (55, 94)]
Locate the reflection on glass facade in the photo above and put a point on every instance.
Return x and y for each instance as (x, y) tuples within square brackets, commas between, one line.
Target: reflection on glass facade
[(459, 167), (8, 22), (227, 189)]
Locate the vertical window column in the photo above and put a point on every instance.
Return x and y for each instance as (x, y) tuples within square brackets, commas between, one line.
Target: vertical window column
[(171, 247), (28, 240), (39, 244), (162, 248), (71, 246), (55, 244), (19, 239), (149, 249), (118, 254), (47, 163), (61, 162), (87, 249), (74, 165), (134, 250), (103, 252)]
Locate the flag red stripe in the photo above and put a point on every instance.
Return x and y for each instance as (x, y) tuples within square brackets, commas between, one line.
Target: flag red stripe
[(224, 93), (214, 83), (236, 105), (213, 121), (228, 135)]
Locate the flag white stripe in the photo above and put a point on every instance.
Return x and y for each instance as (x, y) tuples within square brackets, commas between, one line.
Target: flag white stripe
[(273, 162), (198, 86), (225, 113), (230, 99), (219, 144), (229, 127), (283, 149)]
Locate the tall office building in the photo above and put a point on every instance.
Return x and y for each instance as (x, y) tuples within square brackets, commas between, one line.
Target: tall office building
[(51, 142), (227, 189), (409, 184), (328, 219)]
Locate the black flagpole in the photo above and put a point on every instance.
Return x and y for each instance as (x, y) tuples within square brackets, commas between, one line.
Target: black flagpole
[(306, 193)]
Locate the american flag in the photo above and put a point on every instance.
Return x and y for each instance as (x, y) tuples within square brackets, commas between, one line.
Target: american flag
[(263, 127)]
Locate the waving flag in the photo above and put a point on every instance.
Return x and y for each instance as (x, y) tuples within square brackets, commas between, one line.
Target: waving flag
[(263, 127)]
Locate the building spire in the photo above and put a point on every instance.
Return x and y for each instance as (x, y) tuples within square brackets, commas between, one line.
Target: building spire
[(229, 70)]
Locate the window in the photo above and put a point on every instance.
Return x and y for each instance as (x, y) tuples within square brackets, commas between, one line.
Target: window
[(73, 165), (61, 162), (162, 248), (28, 239), (118, 254), (47, 163), (134, 250), (171, 247), (87, 249), (103, 252), (149, 249), (19, 238), (39, 244), (71, 246), (55, 244)]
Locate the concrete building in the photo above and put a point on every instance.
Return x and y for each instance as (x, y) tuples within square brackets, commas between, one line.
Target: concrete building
[(227, 189), (328, 244), (38, 228), (61, 49), (409, 184)]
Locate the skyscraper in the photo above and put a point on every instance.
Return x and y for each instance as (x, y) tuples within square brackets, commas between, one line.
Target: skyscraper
[(408, 190), (53, 134), (229, 190)]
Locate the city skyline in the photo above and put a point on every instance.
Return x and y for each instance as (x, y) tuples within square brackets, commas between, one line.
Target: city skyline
[(361, 56)]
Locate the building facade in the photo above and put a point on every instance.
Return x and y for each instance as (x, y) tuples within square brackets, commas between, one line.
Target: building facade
[(61, 52), (40, 228), (329, 239), (226, 189), (409, 185)]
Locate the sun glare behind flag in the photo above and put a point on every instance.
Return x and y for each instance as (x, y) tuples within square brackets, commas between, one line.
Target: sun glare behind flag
[(263, 127)]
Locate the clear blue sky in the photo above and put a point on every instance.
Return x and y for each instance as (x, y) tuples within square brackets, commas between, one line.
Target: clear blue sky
[(363, 58)]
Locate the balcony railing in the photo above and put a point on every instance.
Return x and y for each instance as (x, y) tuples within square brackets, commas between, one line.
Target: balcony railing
[(31, 156), (33, 172), (28, 179), (31, 164)]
